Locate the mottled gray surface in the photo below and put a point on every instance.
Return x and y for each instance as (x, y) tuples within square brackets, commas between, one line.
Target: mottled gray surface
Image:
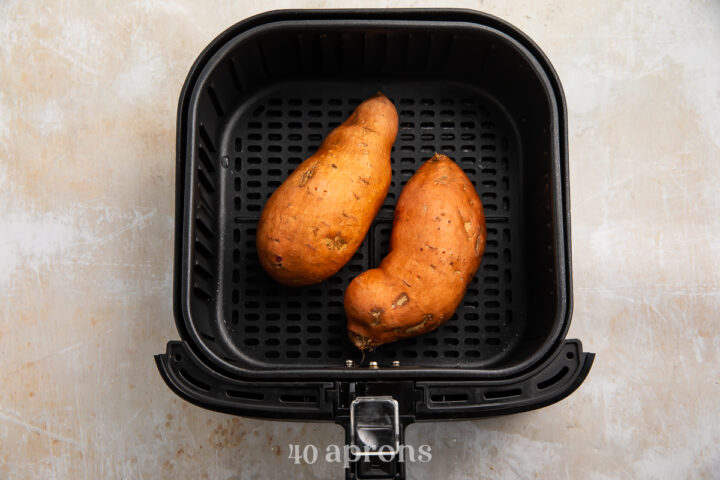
[(88, 95)]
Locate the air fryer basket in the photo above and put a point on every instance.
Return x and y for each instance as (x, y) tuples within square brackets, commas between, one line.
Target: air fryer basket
[(257, 102)]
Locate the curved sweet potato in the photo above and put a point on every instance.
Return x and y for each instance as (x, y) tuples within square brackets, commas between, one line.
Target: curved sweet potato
[(437, 242), (315, 221)]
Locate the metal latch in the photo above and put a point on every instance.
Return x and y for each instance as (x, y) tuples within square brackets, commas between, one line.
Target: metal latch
[(374, 427)]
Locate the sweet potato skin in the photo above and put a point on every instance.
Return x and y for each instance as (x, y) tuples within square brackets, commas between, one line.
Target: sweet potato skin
[(318, 217), (436, 246)]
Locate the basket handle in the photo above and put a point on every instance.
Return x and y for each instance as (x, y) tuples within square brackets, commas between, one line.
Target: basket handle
[(374, 436)]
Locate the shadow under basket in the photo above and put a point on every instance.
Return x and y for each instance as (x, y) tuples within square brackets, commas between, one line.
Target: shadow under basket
[(256, 103)]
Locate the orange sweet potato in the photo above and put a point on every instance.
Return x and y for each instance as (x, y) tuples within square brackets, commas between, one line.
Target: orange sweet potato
[(437, 242), (315, 221)]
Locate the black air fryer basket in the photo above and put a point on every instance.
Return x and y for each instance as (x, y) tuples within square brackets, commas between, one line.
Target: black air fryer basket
[(256, 103)]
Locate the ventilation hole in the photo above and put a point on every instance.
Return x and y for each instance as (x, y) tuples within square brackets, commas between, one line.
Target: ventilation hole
[(449, 397), (215, 101), (293, 329), (206, 138), (194, 381), (205, 159), (293, 398), (272, 354), (492, 341), (205, 181), (203, 250), (497, 394), (554, 379), (245, 395)]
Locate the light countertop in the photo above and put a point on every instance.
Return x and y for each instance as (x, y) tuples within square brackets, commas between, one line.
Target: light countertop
[(88, 98)]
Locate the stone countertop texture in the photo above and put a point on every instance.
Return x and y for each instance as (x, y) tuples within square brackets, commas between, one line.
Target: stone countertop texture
[(88, 97)]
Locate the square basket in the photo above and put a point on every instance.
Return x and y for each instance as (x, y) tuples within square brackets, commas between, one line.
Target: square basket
[(256, 103)]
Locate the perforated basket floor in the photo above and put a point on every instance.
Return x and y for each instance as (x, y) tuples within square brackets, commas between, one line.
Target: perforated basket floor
[(273, 132)]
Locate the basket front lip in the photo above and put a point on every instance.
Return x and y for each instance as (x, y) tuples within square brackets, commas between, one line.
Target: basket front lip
[(181, 301)]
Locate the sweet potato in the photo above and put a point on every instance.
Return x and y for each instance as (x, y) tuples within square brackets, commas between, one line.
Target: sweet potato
[(315, 221), (437, 242)]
